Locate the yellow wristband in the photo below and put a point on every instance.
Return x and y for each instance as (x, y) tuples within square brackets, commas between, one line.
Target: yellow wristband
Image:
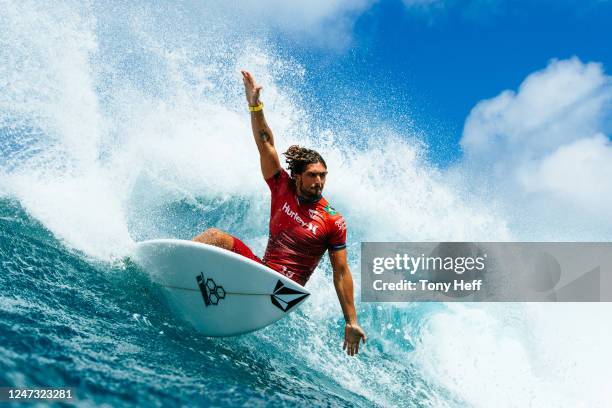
[(256, 108)]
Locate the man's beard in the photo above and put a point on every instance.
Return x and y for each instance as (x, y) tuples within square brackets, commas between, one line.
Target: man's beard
[(311, 196)]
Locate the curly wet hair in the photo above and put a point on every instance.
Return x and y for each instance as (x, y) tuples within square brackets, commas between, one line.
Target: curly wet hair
[(298, 158)]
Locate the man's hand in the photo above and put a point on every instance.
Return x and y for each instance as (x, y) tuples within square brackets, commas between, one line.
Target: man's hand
[(353, 334), (251, 89)]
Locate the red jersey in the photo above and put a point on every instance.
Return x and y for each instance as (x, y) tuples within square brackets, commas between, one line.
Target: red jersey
[(300, 232)]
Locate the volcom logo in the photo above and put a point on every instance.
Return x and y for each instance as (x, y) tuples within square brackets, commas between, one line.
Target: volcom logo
[(286, 298), (296, 217)]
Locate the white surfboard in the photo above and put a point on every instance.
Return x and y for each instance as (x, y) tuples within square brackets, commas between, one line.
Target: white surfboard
[(219, 292)]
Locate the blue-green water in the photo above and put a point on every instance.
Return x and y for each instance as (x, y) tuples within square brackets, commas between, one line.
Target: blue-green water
[(69, 321)]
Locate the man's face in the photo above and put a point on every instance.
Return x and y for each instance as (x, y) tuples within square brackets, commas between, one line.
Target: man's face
[(311, 182)]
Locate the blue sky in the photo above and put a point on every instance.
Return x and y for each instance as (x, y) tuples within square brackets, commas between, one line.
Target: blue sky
[(427, 63)]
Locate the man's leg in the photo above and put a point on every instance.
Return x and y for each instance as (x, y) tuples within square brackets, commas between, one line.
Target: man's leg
[(216, 237)]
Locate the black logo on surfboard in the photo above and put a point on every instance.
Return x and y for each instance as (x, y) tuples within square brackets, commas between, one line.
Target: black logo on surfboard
[(211, 292), (286, 298)]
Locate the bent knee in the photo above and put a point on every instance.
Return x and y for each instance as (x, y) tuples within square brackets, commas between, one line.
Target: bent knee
[(213, 232), (208, 234), (216, 237)]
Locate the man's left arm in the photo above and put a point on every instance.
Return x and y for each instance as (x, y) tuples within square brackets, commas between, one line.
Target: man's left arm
[(343, 282)]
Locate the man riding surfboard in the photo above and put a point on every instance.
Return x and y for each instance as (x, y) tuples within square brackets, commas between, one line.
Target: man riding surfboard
[(302, 223)]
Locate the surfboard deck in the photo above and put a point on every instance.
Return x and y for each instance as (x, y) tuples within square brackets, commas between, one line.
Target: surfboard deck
[(218, 292)]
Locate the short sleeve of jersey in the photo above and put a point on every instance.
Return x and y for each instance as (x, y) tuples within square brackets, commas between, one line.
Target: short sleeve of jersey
[(337, 236), (279, 182)]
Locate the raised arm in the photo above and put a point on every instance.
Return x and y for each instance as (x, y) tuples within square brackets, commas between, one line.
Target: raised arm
[(343, 282), (268, 157)]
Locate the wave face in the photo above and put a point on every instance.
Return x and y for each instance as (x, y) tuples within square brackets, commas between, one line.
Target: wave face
[(122, 122)]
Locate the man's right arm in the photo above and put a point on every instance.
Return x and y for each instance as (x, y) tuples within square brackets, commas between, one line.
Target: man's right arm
[(268, 157)]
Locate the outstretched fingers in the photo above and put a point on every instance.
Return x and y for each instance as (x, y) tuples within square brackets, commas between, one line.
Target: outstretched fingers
[(247, 81), (248, 75), (350, 348), (351, 345)]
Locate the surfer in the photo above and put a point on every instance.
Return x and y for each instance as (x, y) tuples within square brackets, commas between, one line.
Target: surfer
[(303, 225)]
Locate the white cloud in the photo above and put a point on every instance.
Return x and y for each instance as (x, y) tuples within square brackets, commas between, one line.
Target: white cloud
[(580, 171), (303, 14), (328, 22), (547, 141)]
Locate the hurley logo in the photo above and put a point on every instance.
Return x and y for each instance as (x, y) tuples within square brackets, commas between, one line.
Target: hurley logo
[(296, 217)]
